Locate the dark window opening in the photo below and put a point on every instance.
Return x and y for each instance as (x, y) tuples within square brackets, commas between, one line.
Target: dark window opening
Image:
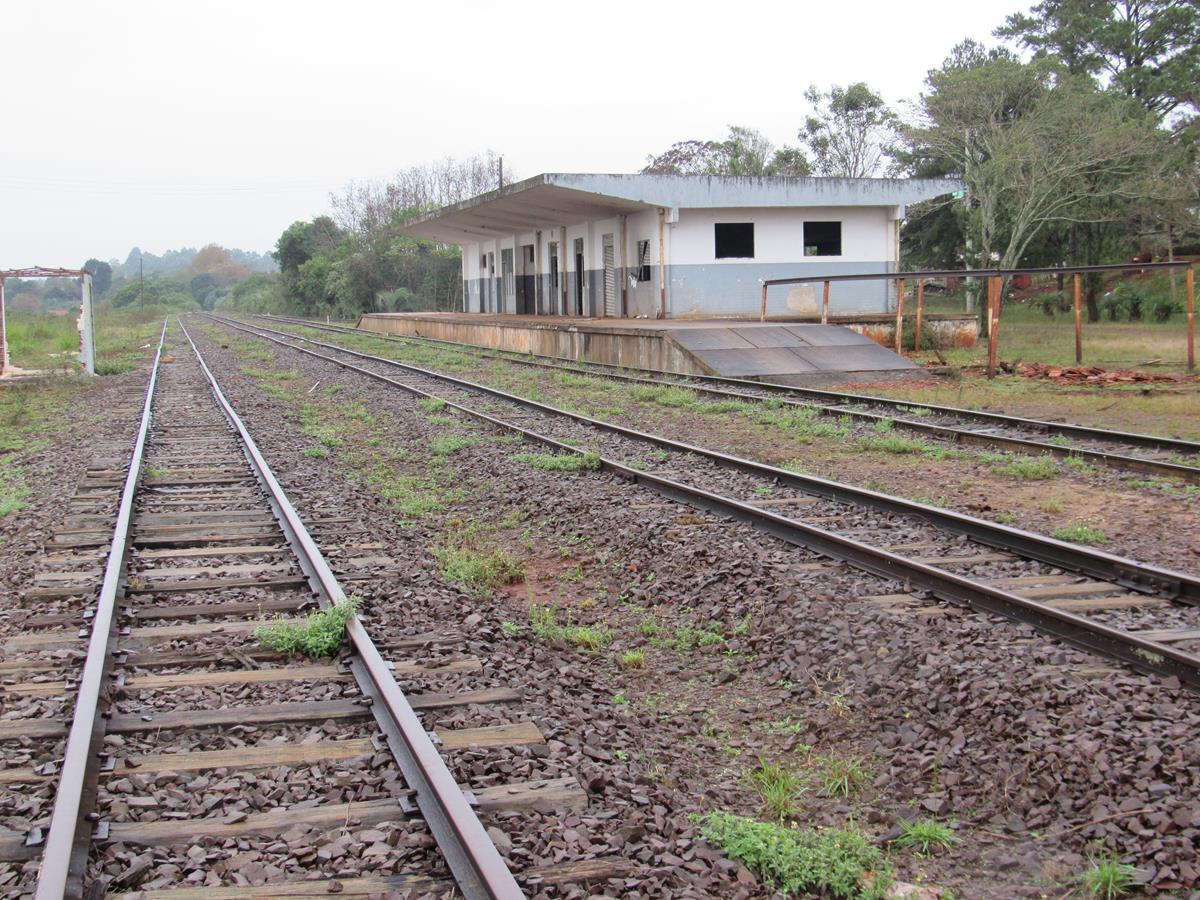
[(734, 240), (483, 264), (822, 238), (643, 257)]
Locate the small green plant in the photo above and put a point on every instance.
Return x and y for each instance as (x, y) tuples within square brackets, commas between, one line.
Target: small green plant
[(632, 659), (480, 570), (1032, 468), (925, 835), (315, 452), (621, 755), (321, 634), (649, 627), (1005, 518), (433, 404), (510, 628), (451, 443), (1081, 534), (841, 864), (786, 725), (619, 699), (543, 621), (1053, 505), (1079, 465), (1109, 879), (840, 776), (562, 462), (778, 787), (885, 440), (688, 638)]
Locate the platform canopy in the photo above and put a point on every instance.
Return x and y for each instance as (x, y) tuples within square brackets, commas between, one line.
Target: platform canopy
[(551, 200)]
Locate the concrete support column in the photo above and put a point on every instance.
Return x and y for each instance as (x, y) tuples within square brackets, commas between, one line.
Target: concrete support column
[(87, 329), (3, 333)]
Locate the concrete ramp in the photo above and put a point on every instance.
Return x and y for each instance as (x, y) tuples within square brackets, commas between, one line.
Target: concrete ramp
[(798, 352)]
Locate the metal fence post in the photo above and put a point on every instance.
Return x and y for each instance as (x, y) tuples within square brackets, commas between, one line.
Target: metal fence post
[(1078, 317), (993, 323), (920, 314), (1190, 281)]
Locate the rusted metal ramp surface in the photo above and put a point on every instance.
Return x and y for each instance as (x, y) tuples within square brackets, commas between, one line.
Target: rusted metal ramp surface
[(800, 352)]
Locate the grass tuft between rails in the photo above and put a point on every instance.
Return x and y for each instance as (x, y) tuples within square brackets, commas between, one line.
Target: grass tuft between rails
[(1081, 534), (827, 862), (320, 635), (479, 570), (1109, 880), (562, 462)]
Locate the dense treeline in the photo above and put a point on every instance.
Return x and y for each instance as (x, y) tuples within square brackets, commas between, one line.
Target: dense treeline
[(1081, 151)]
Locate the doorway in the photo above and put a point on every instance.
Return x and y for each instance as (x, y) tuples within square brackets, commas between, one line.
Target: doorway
[(508, 281), (555, 283), (526, 302), (580, 276), (610, 275)]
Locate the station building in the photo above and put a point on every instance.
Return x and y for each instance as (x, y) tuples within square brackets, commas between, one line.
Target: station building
[(675, 246)]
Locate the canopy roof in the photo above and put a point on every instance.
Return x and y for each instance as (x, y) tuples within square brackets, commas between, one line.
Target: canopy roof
[(550, 200)]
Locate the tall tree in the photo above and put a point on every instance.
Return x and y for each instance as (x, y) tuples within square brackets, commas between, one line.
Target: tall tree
[(849, 132), (1148, 49), (101, 275), (745, 151)]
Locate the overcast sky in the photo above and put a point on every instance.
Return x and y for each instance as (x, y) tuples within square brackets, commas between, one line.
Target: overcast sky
[(169, 124)]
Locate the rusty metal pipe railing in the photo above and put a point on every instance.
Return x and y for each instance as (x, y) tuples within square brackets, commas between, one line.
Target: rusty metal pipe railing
[(61, 872)]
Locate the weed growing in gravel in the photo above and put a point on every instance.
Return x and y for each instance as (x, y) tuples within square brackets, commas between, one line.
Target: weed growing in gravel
[(925, 835), (479, 570), (885, 440), (543, 620), (992, 457), (829, 862), (688, 638), (786, 725), (13, 491), (1079, 465), (321, 634), (451, 443), (1005, 518), (840, 777), (1081, 534), (270, 374), (1053, 505), (649, 627), (1032, 468), (562, 462), (632, 659), (778, 786), (433, 404), (1109, 879), (1059, 440), (510, 628), (619, 699), (315, 452)]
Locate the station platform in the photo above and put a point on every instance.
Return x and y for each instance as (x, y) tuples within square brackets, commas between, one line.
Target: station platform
[(782, 351)]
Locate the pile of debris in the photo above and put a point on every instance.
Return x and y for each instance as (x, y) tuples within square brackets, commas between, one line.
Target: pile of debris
[(1096, 375)]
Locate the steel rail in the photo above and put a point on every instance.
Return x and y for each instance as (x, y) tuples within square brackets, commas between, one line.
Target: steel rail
[(944, 432), (1137, 652), (1128, 573), (64, 856), (473, 859), (1132, 438)]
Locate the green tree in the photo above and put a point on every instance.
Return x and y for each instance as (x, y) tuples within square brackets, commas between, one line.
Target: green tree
[(1148, 49), (745, 151), (101, 275), (849, 133)]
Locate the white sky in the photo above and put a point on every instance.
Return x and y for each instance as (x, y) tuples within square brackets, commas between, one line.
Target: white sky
[(168, 124)]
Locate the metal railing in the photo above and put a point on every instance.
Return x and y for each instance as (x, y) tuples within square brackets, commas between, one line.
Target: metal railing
[(995, 279)]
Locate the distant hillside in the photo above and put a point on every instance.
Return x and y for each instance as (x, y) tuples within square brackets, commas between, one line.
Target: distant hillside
[(177, 261)]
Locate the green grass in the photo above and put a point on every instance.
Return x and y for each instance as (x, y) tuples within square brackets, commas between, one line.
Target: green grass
[(1081, 534), (270, 374), (562, 462), (840, 776), (632, 659), (543, 622), (1032, 468), (835, 863), (1109, 880), (433, 404), (42, 341), (688, 638), (778, 787), (480, 570), (315, 452), (13, 491), (925, 836), (451, 443), (320, 635)]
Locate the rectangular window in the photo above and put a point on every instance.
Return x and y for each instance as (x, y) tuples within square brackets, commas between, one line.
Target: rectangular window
[(734, 240), (643, 260), (483, 264), (822, 238)]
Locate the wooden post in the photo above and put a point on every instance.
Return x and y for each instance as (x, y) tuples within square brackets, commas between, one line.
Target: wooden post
[(825, 305), (920, 314), (1078, 317), (993, 324), (763, 316), (900, 315), (1190, 282)]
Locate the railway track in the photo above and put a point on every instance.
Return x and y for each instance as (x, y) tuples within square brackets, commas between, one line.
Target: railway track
[(1149, 454), (197, 762), (1138, 614)]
